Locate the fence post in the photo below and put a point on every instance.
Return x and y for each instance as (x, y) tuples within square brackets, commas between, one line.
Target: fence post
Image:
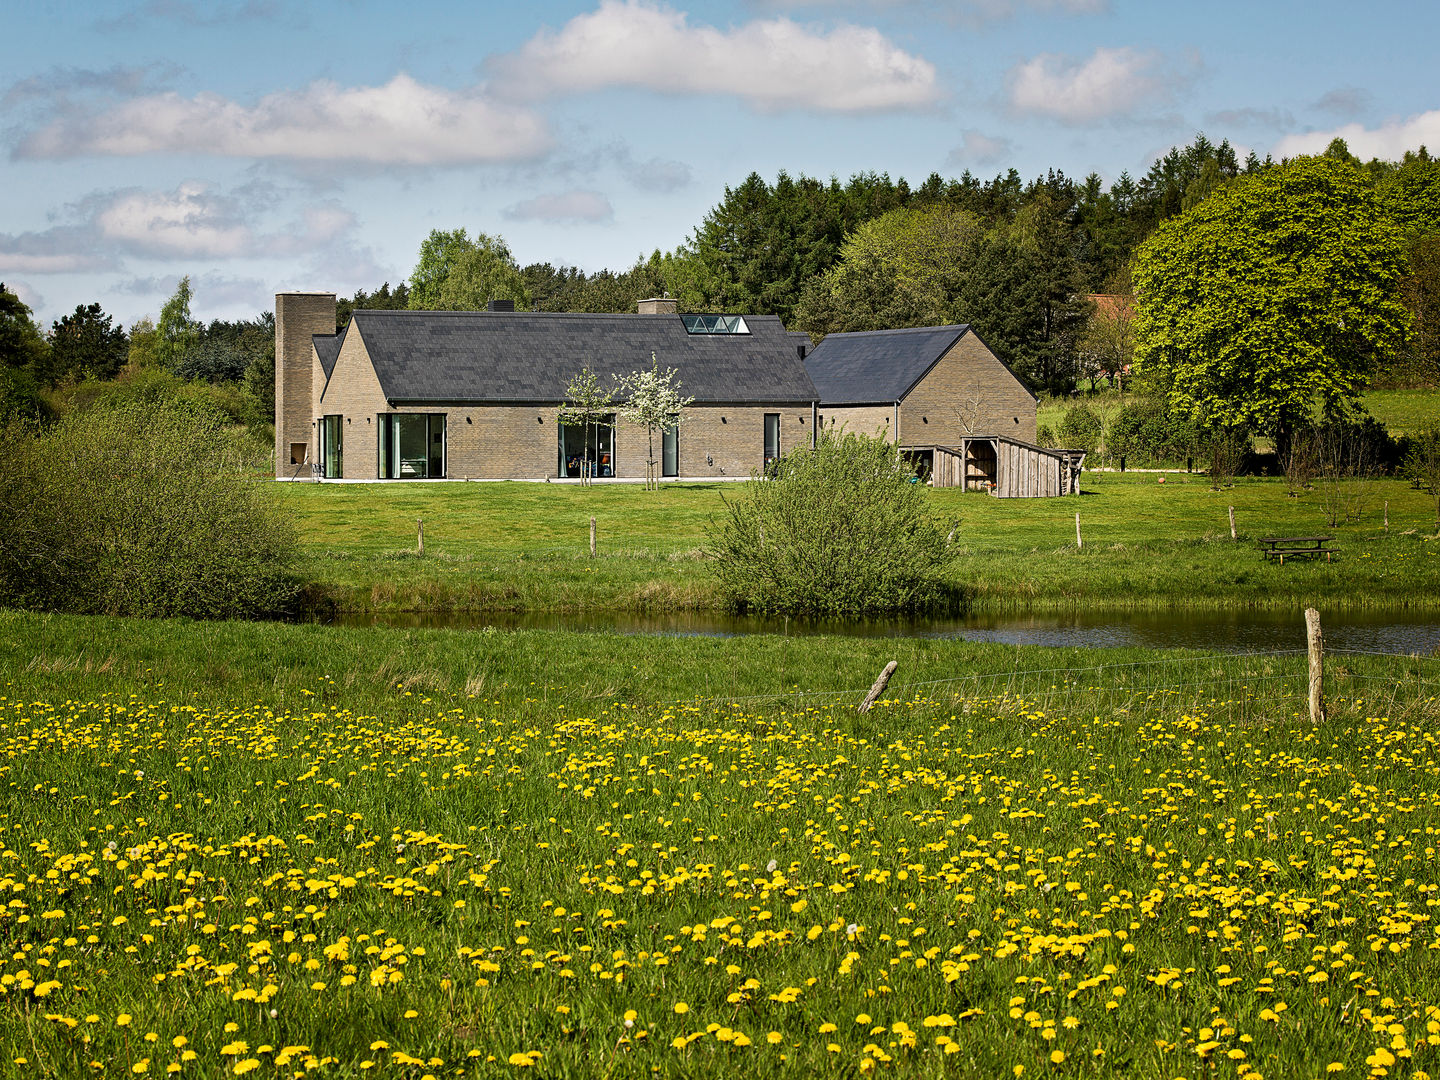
[(1314, 642), (1232, 523), (592, 537), (419, 536), (1079, 543), (878, 688), (1387, 515)]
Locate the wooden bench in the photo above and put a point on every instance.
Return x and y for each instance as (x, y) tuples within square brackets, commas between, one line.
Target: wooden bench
[(1279, 548)]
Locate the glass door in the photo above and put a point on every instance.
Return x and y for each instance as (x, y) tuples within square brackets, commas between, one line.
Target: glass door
[(772, 438), (412, 446), (670, 452), (588, 449), (330, 448)]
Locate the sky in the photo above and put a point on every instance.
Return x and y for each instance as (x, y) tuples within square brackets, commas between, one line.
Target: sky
[(263, 146)]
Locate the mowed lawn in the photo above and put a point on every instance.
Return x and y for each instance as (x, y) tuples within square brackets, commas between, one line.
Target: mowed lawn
[(525, 546), (260, 849)]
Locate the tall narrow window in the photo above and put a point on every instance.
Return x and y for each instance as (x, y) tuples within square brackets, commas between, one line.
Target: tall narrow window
[(332, 463), (772, 438), (412, 446), (670, 452)]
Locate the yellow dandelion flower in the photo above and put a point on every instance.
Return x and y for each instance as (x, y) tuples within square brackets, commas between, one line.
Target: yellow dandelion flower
[(774, 1037), (681, 1008), (1057, 1056), (521, 1061)]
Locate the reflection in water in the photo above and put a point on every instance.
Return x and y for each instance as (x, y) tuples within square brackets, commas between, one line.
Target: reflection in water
[(1212, 631)]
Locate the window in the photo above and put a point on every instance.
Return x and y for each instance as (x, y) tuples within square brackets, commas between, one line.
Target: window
[(331, 461), (714, 324), (772, 438), (670, 452), (412, 446), (588, 449)]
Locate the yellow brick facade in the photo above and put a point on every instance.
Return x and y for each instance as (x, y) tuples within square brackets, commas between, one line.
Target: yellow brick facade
[(522, 442), (968, 391)]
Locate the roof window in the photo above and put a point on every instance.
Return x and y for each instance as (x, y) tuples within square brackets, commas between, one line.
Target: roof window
[(714, 324)]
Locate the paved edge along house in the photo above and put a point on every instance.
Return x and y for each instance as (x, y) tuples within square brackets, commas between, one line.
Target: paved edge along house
[(474, 394), (947, 401)]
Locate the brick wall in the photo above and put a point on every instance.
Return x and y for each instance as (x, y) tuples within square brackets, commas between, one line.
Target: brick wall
[(298, 317), (967, 386), (859, 419)]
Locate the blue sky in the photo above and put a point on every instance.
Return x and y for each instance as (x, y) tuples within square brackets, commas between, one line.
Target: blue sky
[(262, 146)]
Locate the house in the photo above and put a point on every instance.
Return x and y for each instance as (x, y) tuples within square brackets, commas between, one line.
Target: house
[(475, 394), (945, 399)]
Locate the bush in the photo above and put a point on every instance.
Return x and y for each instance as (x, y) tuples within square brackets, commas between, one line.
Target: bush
[(140, 510), (1081, 429), (843, 529), (1147, 432)]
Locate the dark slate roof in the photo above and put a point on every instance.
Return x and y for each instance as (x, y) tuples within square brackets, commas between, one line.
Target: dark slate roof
[(874, 366), (482, 356), (327, 346)]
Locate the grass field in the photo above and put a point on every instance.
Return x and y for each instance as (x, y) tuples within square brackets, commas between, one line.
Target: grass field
[(279, 850), (525, 547)]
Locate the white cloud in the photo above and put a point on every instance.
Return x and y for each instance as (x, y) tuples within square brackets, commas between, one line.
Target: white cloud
[(977, 148), (61, 249), (1389, 141), (770, 63), (588, 207), (400, 123), (194, 221), (1111, 82)]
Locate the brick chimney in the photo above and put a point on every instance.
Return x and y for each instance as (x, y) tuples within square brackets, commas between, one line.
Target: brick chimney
[(658, 306), (298, 317)]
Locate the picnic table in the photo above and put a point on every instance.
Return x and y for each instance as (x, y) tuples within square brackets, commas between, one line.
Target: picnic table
[(1295, 547)]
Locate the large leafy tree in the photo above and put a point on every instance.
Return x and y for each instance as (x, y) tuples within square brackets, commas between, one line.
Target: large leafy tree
[(21, 344), (1278, 292), (456, 273), (86, 344)]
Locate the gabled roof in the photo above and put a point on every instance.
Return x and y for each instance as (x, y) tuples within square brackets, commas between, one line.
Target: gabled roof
[(483, 356), (327, 347), (871, 367)]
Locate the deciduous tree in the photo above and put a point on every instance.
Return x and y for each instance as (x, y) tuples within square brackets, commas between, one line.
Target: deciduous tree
[(1278, 292)]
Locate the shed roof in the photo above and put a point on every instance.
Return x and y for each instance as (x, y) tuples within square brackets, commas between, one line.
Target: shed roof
[(483, 356)]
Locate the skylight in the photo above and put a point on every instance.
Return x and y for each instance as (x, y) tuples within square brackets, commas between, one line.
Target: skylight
[(714, 324)]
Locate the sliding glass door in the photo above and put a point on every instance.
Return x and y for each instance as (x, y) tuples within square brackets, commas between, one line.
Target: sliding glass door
[(412, 446), (588, 449), (331, 461)]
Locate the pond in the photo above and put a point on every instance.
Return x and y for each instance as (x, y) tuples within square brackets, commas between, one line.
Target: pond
[(1364, 630)]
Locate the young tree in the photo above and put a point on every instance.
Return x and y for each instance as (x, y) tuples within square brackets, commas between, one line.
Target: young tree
[(86, 345), (177, 332), (1278, 291), (1422, 466), (587, 404), (653, 401)]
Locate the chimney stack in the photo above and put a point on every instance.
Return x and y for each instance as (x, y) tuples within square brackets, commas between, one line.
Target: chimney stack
[(658, 306), (500, 305), (298, 317)]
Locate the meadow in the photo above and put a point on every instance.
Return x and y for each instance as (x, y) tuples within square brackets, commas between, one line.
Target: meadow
[(525, 547), (234, 849)]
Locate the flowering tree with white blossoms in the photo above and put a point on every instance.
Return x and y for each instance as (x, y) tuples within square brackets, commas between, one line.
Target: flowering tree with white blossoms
[(654, 402)]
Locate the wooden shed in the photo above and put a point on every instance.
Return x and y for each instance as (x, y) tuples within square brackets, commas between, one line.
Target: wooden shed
[(1006, 468)]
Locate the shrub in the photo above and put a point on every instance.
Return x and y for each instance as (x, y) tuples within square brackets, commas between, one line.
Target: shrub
[(1147, 432), (1081, 429), (843, 529), (139, 510)]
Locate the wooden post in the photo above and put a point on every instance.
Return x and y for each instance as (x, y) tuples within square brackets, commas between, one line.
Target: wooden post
[(1232, 523), (592, 537), (1079, 543), (1313, 640), (1387, 515), (419, 536), (878, 688)]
